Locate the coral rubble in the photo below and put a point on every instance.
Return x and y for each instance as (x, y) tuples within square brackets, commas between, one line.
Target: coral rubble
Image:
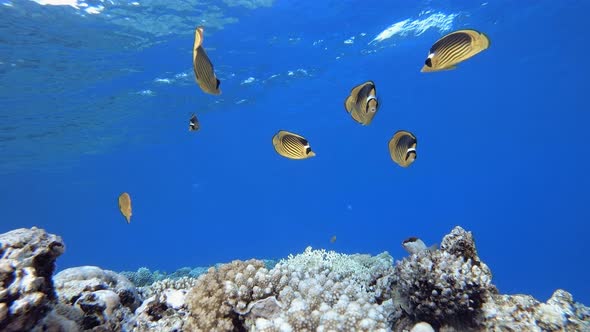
[(446, 289)]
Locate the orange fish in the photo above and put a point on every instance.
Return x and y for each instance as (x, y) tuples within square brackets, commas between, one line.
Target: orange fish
[(125, 206)]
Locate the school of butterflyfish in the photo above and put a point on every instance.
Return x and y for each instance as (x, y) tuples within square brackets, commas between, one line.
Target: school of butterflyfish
[(361, 103)]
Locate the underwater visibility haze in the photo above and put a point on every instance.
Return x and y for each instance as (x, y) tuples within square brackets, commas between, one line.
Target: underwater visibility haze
[(98, 99)]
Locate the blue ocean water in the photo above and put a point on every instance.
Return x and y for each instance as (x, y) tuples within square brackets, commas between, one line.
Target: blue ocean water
[(96, 98)]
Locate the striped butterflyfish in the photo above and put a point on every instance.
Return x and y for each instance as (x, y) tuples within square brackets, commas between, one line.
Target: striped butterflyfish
[(193, 123), (454, 48), (362, 103), (125, 206), (402, 148), (204, 72), (291, 145)]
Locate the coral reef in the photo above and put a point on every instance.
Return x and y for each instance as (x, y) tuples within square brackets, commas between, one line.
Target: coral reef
[(446, 289), (316, 290)]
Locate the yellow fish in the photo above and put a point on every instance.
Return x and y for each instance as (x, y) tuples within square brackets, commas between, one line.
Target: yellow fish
[(202, 66), (402, 148), (291, 145), (362, 103), (125, 206), (333, 239), (454, 48)]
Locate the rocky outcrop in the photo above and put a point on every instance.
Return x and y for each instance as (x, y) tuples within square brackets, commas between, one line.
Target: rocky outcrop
[(27, 263)]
